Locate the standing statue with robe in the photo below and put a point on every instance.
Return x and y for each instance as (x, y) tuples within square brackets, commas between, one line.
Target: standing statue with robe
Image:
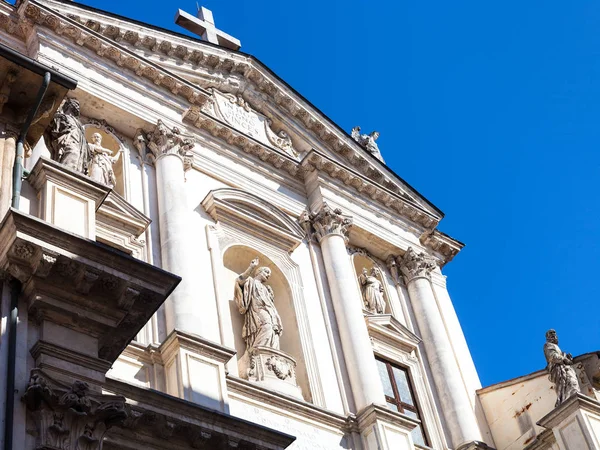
[(101, 162), (256, 301), (560, 368), (372, 290), (66, 138)]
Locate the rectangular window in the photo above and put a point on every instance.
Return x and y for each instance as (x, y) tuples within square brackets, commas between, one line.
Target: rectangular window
[(400, 397)]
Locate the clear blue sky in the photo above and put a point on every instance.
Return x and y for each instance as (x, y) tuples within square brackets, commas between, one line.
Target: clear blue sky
[(489, 109)]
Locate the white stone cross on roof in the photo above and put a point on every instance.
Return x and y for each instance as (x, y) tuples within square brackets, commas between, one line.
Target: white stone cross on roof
[(204, 26)]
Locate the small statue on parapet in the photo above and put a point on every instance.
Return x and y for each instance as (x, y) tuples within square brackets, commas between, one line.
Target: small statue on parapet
[(367, 141), (560, 369)]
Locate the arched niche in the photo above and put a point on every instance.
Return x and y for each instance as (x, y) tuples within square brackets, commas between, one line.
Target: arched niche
[(362, 260), (236, 259), (112, 141)]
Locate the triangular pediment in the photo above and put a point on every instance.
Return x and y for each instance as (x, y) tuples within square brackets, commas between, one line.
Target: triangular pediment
[(386, 328), (118, 212), (229, 89)]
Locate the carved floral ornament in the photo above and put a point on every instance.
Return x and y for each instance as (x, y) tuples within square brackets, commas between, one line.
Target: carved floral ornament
[(414, 265), (164, 141), (325, 222)]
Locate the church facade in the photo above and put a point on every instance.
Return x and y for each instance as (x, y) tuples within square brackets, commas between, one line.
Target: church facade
[(193, 256)]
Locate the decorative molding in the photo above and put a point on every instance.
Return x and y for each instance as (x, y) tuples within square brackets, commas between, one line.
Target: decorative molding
[(238, 113), (153, 414), (103, 41), (386, 328), (224, 63), (71, 417), (46, 258), (162, 141), (441, 243), (416, 265), (328, 221), (255, 216)]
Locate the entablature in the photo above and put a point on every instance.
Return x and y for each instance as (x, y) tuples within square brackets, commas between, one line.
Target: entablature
[(120, 40)]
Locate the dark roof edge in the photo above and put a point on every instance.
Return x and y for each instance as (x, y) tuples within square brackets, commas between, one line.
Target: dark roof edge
[(264, 66), (36, 67)]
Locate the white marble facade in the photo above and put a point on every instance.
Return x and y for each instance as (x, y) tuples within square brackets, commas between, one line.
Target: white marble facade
[(220, 163)]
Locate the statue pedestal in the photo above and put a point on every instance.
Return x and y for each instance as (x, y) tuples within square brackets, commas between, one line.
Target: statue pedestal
[(67, 199), (272, 369)]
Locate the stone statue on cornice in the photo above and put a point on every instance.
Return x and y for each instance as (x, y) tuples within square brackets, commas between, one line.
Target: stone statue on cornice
[(372, 290), (560, 368), (256, 301), (367, 141), (65, 137)]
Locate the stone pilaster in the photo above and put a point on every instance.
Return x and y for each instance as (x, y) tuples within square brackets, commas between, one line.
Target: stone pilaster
[(454, 400), (331, 229)]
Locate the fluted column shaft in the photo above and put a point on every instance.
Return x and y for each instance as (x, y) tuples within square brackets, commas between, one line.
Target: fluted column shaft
[(454, 399), (331, 229)]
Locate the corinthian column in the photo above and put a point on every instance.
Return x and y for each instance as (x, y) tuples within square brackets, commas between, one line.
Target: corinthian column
[(453, 396), (331, 229), (169, 150)]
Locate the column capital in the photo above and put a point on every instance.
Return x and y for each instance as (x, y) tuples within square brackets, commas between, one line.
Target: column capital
[(164, 141), (329, 221), (416, 265)]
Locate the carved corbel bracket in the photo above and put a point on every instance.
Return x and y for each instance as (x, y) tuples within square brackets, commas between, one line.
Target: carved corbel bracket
[(71, 417)]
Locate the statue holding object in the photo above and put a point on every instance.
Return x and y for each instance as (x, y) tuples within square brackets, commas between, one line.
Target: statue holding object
[(367, 141), (101, 162), (256, 301), (372, 290), (560, 369), (65, 138)]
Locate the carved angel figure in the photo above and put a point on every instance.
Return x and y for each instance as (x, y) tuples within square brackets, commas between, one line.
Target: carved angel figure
[(560, 368), (256, 301), (367, 141), (101, 162), (372, 290), (66, 138)]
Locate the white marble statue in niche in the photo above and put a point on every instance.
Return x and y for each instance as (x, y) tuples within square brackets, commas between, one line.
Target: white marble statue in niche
[(263, 362), (372, 290), (100, 167), (256, 301)]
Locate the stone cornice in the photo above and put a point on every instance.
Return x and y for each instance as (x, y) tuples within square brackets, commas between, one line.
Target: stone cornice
[(196, 344), (399, 203), (249, 390), (98, 41), (569, 407), (441, 243), (166, 416), (187, 51)]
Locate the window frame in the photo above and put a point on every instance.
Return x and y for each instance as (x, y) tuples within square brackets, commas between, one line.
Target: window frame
[(400, 405)]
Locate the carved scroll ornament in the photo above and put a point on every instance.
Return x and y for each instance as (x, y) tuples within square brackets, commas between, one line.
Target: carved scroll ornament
[(71, 417), (416, 265), (329, 221), (235, 111)]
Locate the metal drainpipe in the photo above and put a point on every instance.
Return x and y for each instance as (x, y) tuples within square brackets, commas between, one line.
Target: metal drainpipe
[(15, 284)]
